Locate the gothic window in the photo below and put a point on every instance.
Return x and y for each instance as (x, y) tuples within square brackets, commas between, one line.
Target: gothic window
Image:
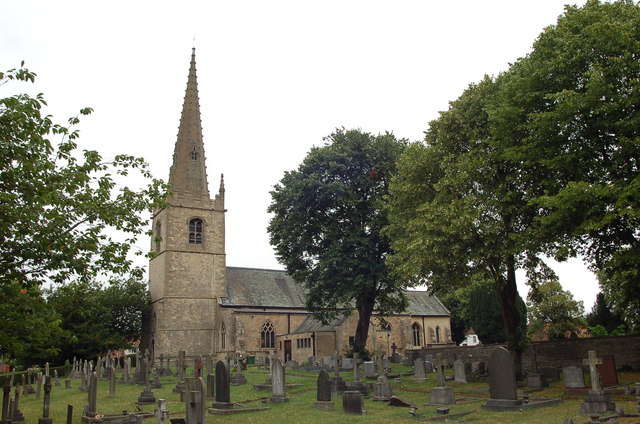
[(415, 332), (432, 335), (158, 236), (195, 231), (267, 336), (437, 334), (223, 337), (194, 154)]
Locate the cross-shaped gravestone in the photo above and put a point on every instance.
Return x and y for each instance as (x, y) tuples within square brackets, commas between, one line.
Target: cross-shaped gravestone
[(439, 370), (379, 363), (356, 364), (592, 361)]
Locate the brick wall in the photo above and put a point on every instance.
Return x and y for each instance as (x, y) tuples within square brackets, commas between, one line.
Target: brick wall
[(625, 349)]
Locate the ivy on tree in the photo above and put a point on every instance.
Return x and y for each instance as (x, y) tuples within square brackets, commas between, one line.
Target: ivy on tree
[(327, 225)]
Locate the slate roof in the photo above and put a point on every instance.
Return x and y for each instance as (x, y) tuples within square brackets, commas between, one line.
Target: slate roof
[(266, 288), (310, 325)]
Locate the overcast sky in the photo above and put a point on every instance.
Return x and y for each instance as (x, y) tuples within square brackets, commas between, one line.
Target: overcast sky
[(275, 77)]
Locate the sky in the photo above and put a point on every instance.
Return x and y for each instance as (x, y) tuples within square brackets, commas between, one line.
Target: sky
[(274, 78)]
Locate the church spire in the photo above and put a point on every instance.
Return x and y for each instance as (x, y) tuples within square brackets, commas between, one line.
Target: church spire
[(188, 175)]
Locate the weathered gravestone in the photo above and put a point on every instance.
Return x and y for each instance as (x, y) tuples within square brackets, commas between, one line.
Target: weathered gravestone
[(356, 384), (535, 379), (147, 396), (459, 371), (223, 387), (337, 383), (194, 400), (370, 369), (56, 380), (441, 395), (278, 383), (323, 394), (16, 414), (198, 364), (573, 380), (180, 372), (418, 367), (46, 419), (395, 356), (502, 381), (428, 367), (162, 413), (382, 390), (90, 409), (596, 401), (607, 371), (5, 418), (353, 403), (112, 382)]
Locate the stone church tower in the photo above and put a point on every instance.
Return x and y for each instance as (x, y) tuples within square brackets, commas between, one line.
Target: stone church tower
[(188, 273)]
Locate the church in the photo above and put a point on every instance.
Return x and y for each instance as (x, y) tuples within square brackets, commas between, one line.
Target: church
[(203, 307)]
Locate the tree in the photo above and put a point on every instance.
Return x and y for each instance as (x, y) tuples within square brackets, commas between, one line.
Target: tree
[(97, 318), (572, 109), (59, 208), (602, 315), (554, 312), (326, 227), (485, 316), (459, 213)]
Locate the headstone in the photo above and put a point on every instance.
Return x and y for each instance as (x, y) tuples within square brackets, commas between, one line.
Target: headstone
[(573, 377), (347, 363), (337, 383), (380, 361), (418, 366), (46, 369), (459, 372), (67, 383), (211, 385), (596, 401), (441, 395), (194, 400), (370, 369), (147, 396), (141, 372), (162, 413), (6, 398), (278, 382), (126, 372), (535, 379), (356, 367), (112, 382), (502, 381), (156, 383), (353, 403), (197, 367), (382, 390), (56, 380), (607, 371), (223, 387), (90, 408), (16, 414), (323, 392), (428, 367), (46, 419)]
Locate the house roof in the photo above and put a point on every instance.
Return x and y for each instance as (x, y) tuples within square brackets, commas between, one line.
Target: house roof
[(266, 288), (311, 324)]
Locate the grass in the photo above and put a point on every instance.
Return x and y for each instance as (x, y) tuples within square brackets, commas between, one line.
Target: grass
[(300, 408)]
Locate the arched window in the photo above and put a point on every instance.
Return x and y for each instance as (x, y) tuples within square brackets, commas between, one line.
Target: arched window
[(415, 331), (267, 336), (158, 236), (437, 334), (223, 337), (195, 231)]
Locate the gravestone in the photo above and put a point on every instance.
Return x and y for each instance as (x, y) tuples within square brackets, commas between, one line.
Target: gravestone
[(353, 403), (141, 372), (126, 378), (112, 382), (323, 392), (180, 372), (380, 361), (382, 390), (147, 396), (39, 378), (16, 414), (607, 371), (211, 385), (46, 407), (502, 381), (67, 383), (441, 395), (395, 356), (197, 367), (573, 377), (223, 387), (162, 413), (156, 383), (90, 408), (596, 401), (370, 369), (56, 380), (278, 382), (347, 363), (459, 371), (535, 379), (337, 383), (428, 367), (356, 384), (194, 400), (418, 366), (6, 398)]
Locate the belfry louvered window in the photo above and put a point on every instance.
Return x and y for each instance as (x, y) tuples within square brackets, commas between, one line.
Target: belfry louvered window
[(195, 231)]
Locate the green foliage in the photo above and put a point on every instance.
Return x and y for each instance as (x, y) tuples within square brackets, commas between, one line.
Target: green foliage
[(59, 206), (326, 227), (554, 312), (485, 316), (602, 315), (569, 113), (99, 318), (598, 331)]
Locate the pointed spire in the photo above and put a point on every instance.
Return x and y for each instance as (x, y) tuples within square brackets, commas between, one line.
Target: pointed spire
[(188, 175)]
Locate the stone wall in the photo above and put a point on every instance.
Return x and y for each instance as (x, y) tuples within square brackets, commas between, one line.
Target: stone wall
[(549, 354)]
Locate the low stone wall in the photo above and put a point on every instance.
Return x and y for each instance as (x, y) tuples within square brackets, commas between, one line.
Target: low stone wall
[(555, 354)]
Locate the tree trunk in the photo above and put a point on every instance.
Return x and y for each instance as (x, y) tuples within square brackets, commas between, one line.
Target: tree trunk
[(510, 316), (365, 310)]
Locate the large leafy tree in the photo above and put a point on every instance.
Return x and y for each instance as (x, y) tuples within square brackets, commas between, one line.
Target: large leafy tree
[(459, 212), (326, 227), (569, 113), (485, 315), (553, 312), (60, 209)]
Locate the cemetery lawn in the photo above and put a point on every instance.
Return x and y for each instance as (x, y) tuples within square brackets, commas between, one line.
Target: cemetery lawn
[(300, 407)]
